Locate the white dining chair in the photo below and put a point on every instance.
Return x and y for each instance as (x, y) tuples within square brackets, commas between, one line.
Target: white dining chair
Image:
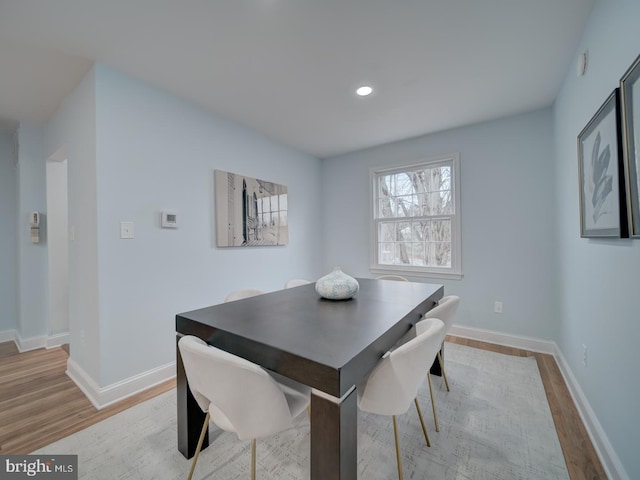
[(296, 282), (397, 278), (393, 383), (240, 294), (445, 310), (239, 396)]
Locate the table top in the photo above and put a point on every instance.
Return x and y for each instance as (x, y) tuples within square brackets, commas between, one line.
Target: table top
[(326, 344)]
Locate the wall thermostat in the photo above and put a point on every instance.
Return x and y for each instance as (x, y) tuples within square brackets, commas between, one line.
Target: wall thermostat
[(169, 220)]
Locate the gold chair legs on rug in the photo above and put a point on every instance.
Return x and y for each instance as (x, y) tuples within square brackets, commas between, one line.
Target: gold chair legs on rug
[(444, 375), (205, 426), (395, 435), (433, 403)]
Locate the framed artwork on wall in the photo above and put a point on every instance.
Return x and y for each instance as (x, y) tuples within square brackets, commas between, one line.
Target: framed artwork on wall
[(630, 103), (249, 211), (603, 210)]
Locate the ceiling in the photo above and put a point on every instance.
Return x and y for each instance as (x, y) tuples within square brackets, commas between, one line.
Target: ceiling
[(289, 68)]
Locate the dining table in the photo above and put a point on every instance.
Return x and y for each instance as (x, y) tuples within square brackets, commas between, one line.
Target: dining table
[(329, 345)]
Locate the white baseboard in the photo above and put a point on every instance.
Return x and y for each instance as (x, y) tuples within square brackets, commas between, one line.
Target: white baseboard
[(608, 457), (30, 343), (58, 340), (101, 397), (33, 343), (7, 336), (516, 341)]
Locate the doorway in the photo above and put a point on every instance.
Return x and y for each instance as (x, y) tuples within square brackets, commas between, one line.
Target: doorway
[(57, 224)]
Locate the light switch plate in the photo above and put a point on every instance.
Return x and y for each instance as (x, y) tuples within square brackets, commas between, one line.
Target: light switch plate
[(126, 230)]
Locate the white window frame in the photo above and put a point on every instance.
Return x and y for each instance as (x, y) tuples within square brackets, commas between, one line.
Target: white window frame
[(453, 272)]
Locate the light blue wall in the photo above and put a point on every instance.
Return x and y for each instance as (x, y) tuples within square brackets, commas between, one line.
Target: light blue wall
[(600, 301), (8, 235), (156, 152), (32, 257), (507, 218)]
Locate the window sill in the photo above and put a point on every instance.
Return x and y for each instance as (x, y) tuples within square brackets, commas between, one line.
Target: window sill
[(410, 274)]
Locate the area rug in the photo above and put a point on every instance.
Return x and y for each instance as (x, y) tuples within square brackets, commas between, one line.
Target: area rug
[(495, 424)]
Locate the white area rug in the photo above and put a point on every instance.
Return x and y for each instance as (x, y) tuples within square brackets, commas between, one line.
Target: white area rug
[(495, 424)]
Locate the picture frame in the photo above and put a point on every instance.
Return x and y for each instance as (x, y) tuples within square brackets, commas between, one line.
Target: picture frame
[(630, 104), (603, 211), (250, 212)]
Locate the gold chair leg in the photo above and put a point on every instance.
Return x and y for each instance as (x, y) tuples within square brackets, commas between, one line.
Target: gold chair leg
[(205, 427), (395, 434), (424, 429), (253, 459), (433, 404), (444, 375)]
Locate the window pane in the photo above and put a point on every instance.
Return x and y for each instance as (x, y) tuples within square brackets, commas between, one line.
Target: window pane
[(405, 205), (443, 254), (386, 253), (417, 254), (402, 253), (441, 230), (386, 232), (386, 208), (404, 232)]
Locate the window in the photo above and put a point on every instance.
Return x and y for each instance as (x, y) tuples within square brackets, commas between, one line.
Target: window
[(416, 218)]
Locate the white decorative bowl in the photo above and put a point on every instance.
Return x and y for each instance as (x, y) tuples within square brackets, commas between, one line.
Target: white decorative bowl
[(337, 285)]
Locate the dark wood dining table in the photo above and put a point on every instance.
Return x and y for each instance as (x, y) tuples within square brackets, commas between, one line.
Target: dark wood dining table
[(325, 344)]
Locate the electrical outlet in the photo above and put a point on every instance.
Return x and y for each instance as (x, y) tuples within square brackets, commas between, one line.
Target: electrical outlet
[(584, 355), (497, 307)]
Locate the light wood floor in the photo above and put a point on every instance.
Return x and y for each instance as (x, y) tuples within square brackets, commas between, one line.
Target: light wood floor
[(39, 404)]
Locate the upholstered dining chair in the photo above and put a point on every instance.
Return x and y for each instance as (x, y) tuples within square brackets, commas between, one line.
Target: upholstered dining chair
[(296, 282), (393, 383), (397, 278), (240, 294), (445, 310), (239, 396)]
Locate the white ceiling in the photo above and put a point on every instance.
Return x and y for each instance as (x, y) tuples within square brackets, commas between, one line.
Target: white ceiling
[(289, 68)]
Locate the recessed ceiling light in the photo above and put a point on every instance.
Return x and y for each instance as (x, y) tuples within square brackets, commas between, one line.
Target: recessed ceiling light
[(364, 90)]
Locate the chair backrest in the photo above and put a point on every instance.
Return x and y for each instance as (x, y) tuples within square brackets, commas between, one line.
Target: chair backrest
[(241, 394), (394, 381), (240, 294), (397, 278), (296, 282), (445, 310)]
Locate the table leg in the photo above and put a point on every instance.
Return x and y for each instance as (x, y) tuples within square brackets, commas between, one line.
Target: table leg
[(334, 429), (190, 415)]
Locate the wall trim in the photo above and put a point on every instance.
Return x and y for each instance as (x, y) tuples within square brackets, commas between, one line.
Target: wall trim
[(7, 336), (33, 343), (505, 339), (30, 343), (607, 455), (102, 397), (58, 340), (610, 460)]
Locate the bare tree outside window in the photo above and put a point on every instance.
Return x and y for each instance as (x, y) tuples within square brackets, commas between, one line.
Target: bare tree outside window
[(414, 216)]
